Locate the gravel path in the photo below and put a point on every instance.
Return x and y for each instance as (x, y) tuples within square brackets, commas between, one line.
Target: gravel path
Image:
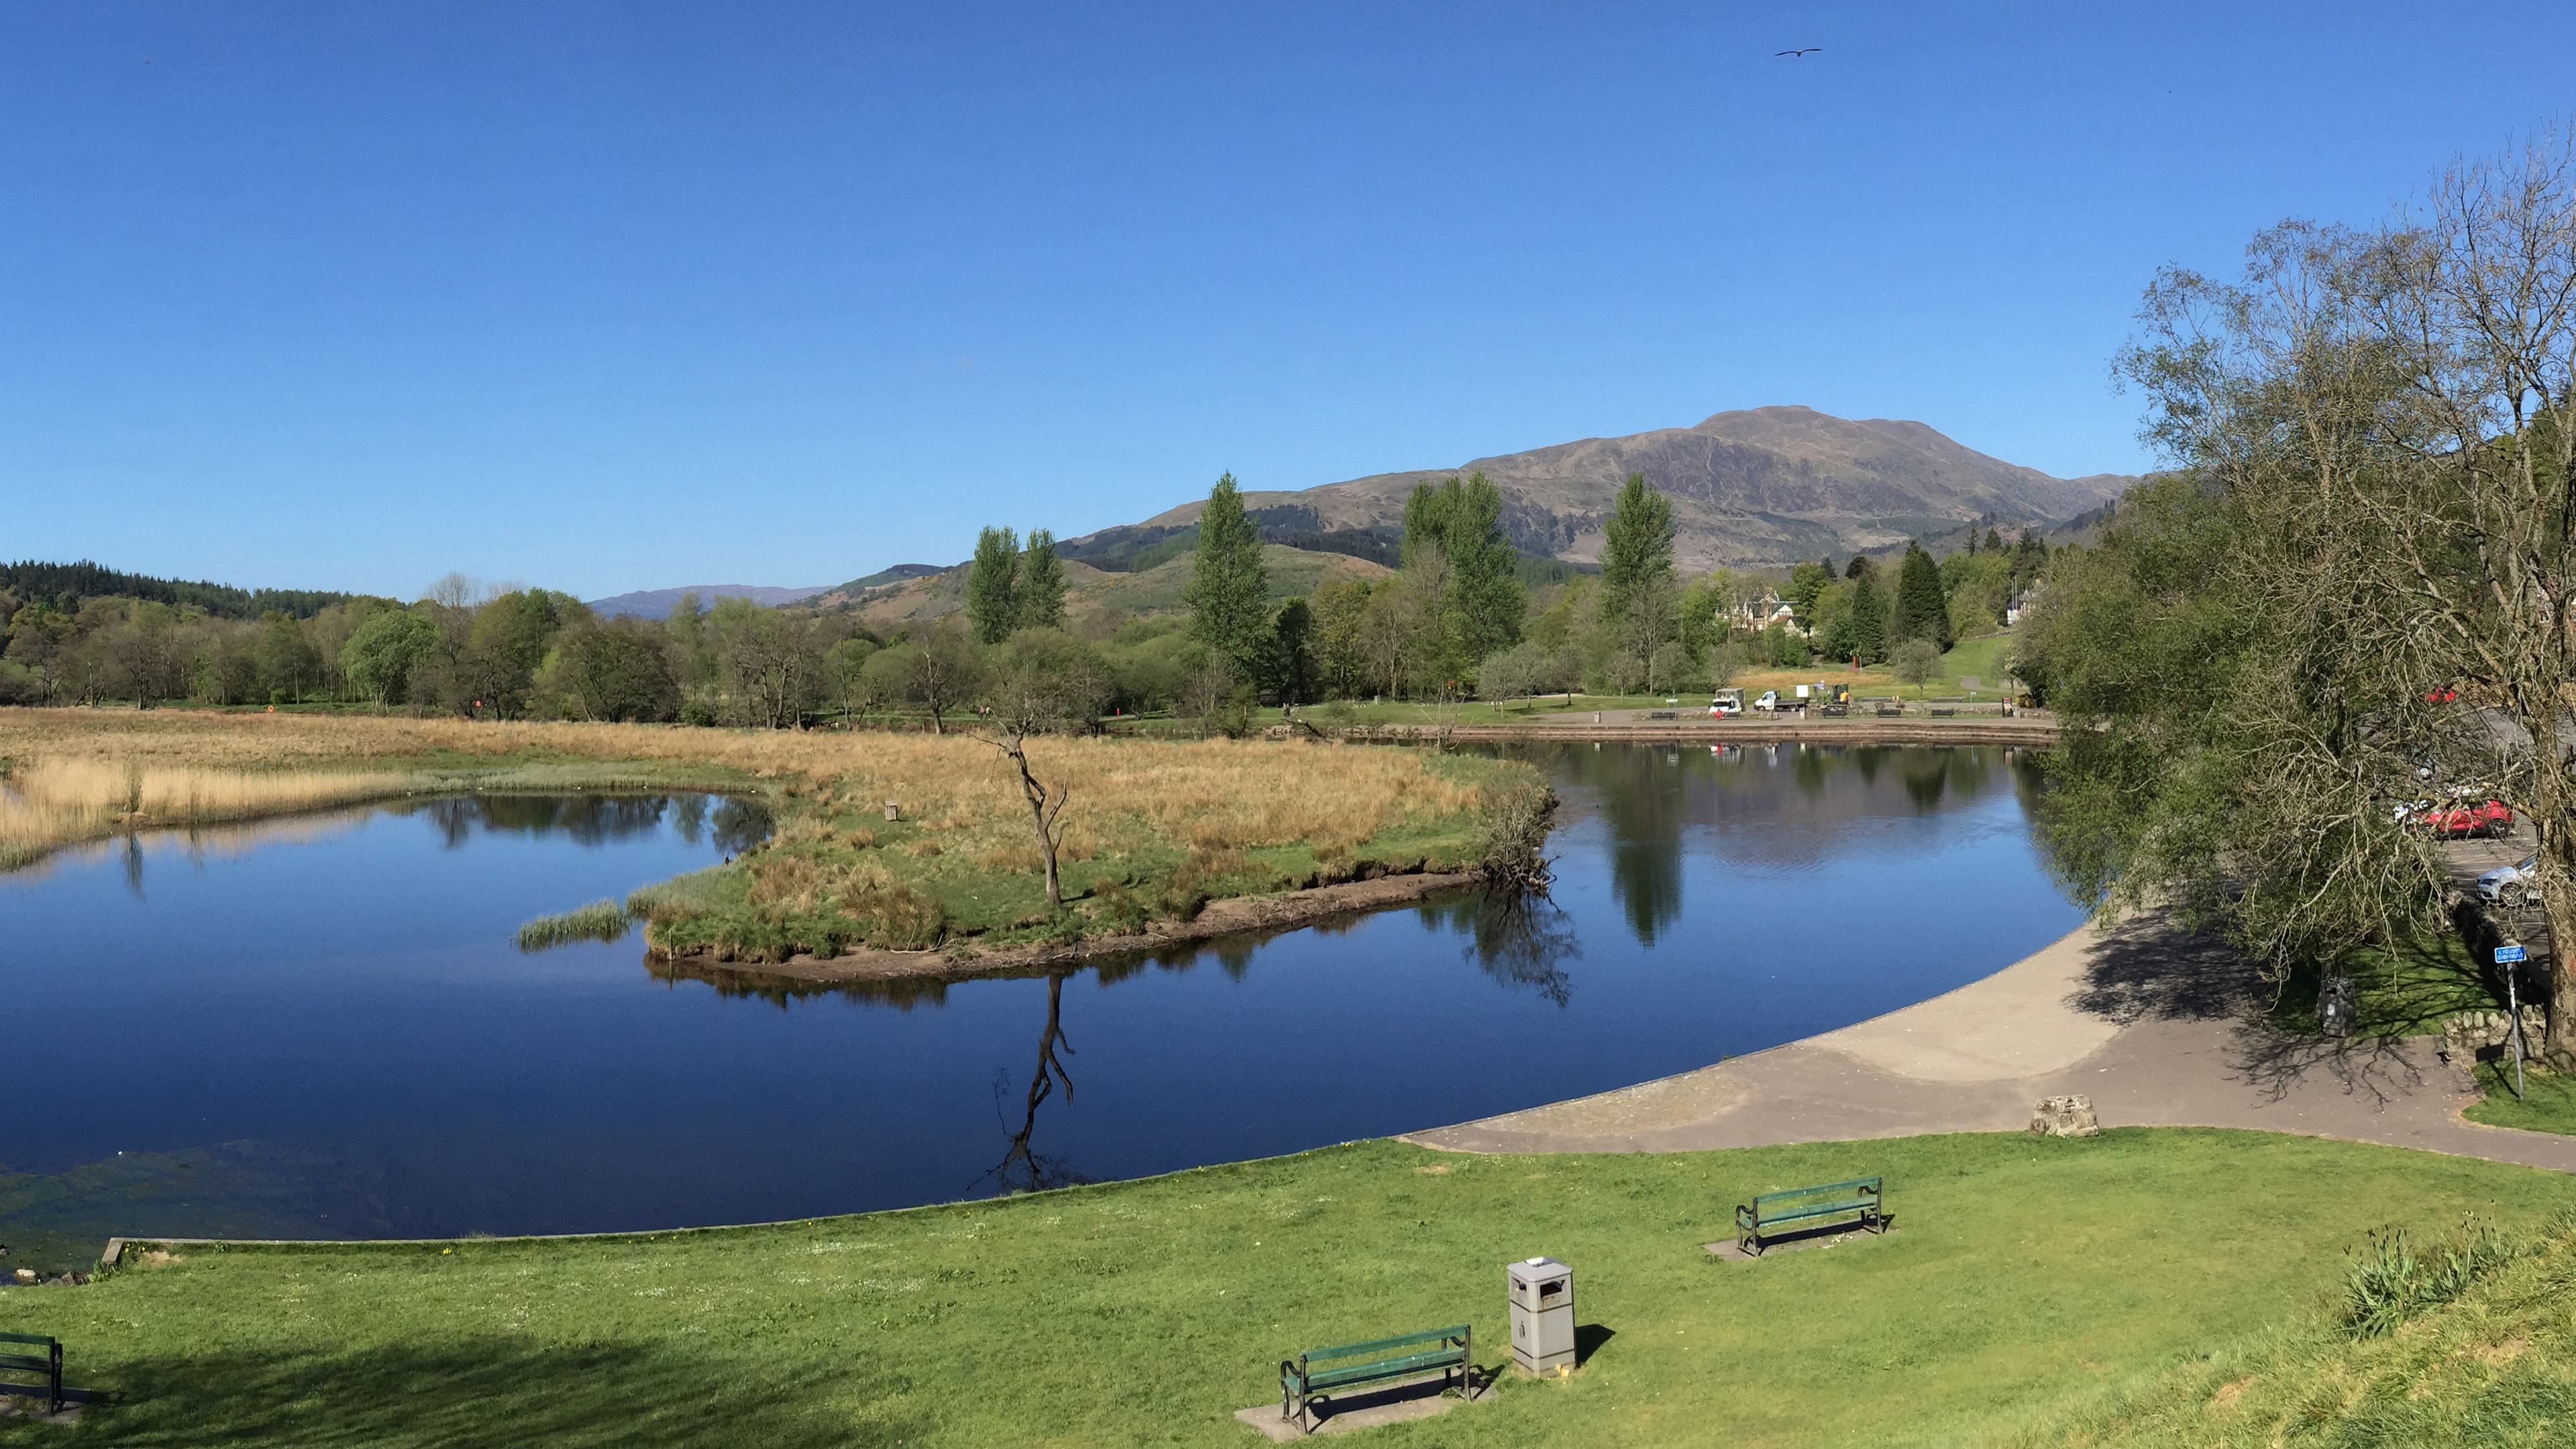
[(2157, 1027)]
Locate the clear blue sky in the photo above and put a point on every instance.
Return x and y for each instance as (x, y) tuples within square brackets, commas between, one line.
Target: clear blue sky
[(632, 295)]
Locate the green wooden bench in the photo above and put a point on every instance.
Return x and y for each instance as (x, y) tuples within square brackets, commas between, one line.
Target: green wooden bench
[(1318, 1372), (49, 1364), (1862, 1200)]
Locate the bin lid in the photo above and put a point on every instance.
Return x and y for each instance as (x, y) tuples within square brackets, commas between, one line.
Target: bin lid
[(1537, 1268)]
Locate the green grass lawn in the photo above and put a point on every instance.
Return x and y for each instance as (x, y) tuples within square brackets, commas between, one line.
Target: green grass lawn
[(2405, 991), (2024, 1275), (2548, 1103)]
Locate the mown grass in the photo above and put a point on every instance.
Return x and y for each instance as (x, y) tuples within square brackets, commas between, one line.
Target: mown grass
[(2024, 1280), (2548, 1103)]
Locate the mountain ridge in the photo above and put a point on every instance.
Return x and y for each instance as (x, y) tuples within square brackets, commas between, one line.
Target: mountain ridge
[(1755, 486)]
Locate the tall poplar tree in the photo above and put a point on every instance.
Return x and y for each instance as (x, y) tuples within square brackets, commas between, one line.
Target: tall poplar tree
[(993, 585), (1636, 546), (1041, 585), (1229, 590)]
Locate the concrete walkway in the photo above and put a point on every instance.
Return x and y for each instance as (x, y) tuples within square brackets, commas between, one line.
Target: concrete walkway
[(2158, 1028)]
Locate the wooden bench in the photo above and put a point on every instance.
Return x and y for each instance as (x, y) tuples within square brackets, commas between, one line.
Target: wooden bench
[(1862, 1199), (1379, 1361), (49, 1364), (1888, 707), (1661, 714)]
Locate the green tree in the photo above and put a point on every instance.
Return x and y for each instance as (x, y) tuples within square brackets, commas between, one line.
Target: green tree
[(1921, 610), (619, 670), (288, 663), (1041, 584), (1294, 652), (1229, 590), (1868, 619), (1806, 581), (1636, 546), (993, 586), (1918, 662), (380, 656)]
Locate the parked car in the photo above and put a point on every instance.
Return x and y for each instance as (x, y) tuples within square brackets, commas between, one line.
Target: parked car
[(1769, 701), (1727, 704), (2458, 819), (2512, 885)]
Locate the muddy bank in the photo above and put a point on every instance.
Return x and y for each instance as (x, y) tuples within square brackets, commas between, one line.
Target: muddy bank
[(1236, 916)]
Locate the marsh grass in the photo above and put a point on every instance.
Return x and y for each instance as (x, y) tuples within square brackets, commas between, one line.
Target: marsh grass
[(1175, 824), (598, 921)]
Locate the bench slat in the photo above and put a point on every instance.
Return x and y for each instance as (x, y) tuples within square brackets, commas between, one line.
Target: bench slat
[(1394, 1368), (1354, 1350), (1856, 1182), (26, 1338), (1821, 1210)]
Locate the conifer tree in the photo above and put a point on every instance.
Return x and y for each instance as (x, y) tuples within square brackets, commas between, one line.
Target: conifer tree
[(1868, 619), (1636, 547), (1922, 611)]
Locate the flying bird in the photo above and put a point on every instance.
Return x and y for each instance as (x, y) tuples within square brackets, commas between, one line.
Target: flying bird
[(1803, 50)]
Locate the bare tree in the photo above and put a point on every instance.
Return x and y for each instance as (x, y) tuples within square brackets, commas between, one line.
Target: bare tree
[(1048, 681)]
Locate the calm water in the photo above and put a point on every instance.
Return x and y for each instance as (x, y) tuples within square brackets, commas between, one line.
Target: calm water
[(324, 1029)]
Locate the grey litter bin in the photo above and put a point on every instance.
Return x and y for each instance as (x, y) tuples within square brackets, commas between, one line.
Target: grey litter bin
[(1542, 1294)]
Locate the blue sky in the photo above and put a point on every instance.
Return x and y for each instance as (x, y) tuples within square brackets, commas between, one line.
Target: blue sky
[(632, 295)]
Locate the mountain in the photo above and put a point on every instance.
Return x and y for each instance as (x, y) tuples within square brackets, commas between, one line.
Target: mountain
[(1761, 486), (656, 603), (937, 593)]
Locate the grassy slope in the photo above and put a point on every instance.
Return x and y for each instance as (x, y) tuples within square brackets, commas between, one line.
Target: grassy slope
[(2496, 1367), (2024, 1275)]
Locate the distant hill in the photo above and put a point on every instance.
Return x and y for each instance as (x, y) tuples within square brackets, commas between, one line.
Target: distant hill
[(656, 603), (941, 592), (1763, 486), (85, 580)]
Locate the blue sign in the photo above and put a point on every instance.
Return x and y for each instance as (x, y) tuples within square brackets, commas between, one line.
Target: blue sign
[(2508, 953)]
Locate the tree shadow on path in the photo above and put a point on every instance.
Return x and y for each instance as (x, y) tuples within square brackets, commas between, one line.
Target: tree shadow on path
[(2149, 968)]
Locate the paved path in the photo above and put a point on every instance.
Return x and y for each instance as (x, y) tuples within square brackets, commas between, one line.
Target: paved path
[(2158, 1028)]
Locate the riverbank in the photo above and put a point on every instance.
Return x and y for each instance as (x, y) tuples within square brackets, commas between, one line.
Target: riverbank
[(2031, 730)]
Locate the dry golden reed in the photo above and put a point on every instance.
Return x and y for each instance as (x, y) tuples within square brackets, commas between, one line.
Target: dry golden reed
[(74, 774)]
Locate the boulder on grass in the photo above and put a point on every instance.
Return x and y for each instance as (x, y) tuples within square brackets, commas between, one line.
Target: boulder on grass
[(2064, 1117)]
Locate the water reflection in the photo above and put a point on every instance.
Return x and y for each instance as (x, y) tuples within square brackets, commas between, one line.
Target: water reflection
[(595, 820), (1522, 941), (1023, 1168), (394, 1066)]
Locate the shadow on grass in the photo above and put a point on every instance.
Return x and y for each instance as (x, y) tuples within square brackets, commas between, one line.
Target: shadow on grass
[(1588, 1339), (474, 1392)]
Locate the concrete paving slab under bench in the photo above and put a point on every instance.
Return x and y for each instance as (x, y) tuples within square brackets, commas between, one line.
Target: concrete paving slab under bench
[(1360, 1411), (1794, 1242)]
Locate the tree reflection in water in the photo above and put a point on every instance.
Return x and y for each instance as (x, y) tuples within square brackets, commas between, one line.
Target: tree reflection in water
[(1023, 1168), (595, 819)]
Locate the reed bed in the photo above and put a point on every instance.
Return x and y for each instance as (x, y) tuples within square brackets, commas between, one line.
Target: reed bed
[(598, 921), (1153, 827)]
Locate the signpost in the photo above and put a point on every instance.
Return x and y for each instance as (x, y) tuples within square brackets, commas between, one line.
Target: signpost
[(2512, 956)]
